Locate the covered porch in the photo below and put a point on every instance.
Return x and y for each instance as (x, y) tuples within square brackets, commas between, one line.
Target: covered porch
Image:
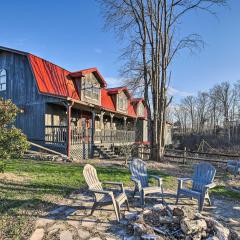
[(76, 128)]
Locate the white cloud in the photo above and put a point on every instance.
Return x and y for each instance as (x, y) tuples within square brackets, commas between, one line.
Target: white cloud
[(115, 81), (175, 92), (98, 50)]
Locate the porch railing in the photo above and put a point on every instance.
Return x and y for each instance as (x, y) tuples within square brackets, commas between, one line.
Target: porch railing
[(114, 136), (80, 135), (58, 135)]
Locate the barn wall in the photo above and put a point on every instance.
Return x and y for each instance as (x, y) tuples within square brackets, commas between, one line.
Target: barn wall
[(55, 115), (23, 91)]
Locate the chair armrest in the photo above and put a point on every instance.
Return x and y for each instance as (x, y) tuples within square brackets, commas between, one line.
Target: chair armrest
[(102, 192), (185, 179), (115, 183), (137, 183), (159, 179), (210, 185), (181, 182)]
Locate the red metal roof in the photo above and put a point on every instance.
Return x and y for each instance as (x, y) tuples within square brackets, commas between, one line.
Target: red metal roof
[(56, 81), (107, 101), (131, 109), (117, 90), (52, 79)]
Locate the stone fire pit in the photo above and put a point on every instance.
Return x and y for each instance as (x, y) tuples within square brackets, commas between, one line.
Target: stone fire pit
[(163, 222)]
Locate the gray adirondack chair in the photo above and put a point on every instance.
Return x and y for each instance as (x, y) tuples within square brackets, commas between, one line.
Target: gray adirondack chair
[(101, 196), (233, 166), (141, 178), (202, 181)]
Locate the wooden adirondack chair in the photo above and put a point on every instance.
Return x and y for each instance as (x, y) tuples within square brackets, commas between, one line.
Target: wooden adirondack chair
[(103, 197), (233, 166), (202, 181), (141, 178)]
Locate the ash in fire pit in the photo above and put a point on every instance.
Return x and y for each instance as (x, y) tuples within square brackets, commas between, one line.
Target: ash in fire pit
[(163, 222)]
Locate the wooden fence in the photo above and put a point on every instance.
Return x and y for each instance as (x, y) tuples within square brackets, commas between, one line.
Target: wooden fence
[(186, 156)]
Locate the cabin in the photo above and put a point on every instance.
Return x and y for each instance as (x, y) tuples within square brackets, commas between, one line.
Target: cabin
[(74, 113)]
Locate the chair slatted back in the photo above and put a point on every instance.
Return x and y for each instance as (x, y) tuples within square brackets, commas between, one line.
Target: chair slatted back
[(91, 178), (204, 174), (139, 170)]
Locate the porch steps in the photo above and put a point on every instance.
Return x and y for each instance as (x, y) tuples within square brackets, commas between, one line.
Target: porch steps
[(104, 152)]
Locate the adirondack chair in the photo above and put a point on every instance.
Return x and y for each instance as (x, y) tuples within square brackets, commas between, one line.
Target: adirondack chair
[(101, 196), (202, 181), (233, 166), (141, 178)]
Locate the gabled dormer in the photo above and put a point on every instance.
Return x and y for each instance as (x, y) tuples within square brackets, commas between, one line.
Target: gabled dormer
[(139, 106), (121, 97), (89, 83)]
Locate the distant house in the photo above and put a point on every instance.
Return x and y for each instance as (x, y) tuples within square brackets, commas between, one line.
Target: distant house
[(168, 133), (71, 112)]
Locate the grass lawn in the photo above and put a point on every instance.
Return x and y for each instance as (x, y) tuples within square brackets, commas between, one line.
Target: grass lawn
[(28, 189)]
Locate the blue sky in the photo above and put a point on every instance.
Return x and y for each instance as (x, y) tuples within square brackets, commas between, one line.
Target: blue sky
[(70, 33)]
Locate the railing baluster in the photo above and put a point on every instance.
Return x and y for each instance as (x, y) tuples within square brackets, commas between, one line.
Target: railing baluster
[(57, 135)]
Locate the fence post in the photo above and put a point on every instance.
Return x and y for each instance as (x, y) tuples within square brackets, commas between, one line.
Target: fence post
[(184, 155)]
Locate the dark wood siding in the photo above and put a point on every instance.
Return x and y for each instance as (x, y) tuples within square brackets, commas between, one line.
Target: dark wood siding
[(23, 90)]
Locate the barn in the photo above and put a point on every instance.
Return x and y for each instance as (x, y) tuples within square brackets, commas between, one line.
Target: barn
[(74, 113)]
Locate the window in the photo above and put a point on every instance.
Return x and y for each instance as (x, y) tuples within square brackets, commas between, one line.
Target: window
[(91, 90), (95, 93), (122, 102), (3, 79), (88, 89)]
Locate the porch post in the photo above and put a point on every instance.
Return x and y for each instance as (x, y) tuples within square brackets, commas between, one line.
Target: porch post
[(135, 129), (112, 137), (101, 119), (101, 126), (135, 124), (125, 123), (125, 129), (92, 134), (111, 121), (69, 116)]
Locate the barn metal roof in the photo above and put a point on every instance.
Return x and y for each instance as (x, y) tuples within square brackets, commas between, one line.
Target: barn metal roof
[(56, 81)]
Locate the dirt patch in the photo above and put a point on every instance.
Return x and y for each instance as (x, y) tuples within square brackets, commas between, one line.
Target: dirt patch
[(12, 177)]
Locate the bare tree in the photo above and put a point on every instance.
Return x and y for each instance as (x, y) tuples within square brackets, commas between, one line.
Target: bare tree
[(181, 116), (225, 95), (151, 27), (202, 110), (213, 112), (190, 102), (214, 109)]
